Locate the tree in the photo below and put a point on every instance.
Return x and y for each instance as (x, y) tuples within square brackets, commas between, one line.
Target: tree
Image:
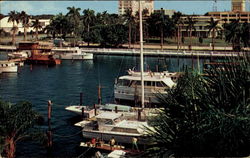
[(25, 21), (190, 27), (238, 34), (74, 18), (130, 21), (178, 21), (205, 115), (88, 20), (14, 18), (213, 26), (37, 26), (16, 123)]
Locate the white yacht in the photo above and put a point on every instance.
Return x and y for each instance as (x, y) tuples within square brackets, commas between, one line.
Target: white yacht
[(8, 66), (19, 55), (69, 53), (128, 88), (110, 124)]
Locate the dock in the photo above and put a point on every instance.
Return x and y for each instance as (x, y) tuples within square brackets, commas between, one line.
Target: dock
[(164, 53)]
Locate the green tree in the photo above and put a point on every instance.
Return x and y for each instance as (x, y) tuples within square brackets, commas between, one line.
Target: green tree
[(88, 20), (130, 21), (213, 27), (238, 34), (190, 27), (14, 18), (16, 123), (37, 26), (205, 115), (74, 18), (25, 21), (178, 21)]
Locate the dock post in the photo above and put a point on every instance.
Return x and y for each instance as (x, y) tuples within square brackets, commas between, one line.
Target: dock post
[(99, 95), (81, 98), (95, 108), (116, 109), (49, 134), (82, 112), (139, 114)]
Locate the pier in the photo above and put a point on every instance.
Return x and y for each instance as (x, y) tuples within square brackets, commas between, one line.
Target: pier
[(164, 53)]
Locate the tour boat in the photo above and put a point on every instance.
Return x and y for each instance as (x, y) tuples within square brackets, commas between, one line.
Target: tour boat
[(69, 53), (109, 125), (42, 58), (128, 87), (8, 66)]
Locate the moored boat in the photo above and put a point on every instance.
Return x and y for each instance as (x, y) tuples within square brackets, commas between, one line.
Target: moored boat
[(43, 59), (71, 53), (8, 66), (128, 87), (112, 125)]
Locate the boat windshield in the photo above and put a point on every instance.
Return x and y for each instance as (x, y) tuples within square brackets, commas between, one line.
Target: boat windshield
[(123, 82), (125, 130)]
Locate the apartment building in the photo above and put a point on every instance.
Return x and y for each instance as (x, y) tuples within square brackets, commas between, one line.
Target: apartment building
[(134, 6)]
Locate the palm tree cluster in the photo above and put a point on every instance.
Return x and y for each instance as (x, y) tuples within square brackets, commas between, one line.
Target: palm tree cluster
[(24, 18), (205, 115)]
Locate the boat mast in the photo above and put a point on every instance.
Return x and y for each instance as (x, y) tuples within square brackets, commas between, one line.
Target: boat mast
[(141, 55)]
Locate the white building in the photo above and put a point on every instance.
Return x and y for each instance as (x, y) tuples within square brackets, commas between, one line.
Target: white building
[(134, 6), (7, 26)]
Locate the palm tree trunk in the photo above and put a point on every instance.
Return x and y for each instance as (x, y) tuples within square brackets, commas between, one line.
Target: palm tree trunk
[(13, 34), (213, 40), (11, 148), (162, 38), (88, 34), (178, 37), (129, 35), (190, 39), (25, 33), (36, 34)]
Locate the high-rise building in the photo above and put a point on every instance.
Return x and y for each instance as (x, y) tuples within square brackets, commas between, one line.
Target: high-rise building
[(134, 6), (238, 5)]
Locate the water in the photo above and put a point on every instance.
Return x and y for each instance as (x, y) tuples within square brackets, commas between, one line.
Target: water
[(62, 84)]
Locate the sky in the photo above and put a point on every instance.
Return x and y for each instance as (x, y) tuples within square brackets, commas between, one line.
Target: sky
[(55, 7)]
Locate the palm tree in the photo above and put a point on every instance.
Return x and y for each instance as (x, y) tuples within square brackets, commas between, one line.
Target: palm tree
[(88, 19), (213, 26), (233, 32), (14, 18), (190, 22), (130, 20), (25, 21), (37, 26), (161, 21), (178, 21), (74, 18)]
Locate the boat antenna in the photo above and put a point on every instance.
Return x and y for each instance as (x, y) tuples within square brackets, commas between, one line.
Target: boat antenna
[(141, 55)]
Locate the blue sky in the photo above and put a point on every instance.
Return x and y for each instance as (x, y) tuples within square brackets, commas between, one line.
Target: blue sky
[(55, 7)]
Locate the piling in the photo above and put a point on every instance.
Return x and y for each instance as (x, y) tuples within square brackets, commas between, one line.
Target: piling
[(49, 134), (116, 109), (95, 109), (99, 95), (81, 98), (139, 114), (82, 112)]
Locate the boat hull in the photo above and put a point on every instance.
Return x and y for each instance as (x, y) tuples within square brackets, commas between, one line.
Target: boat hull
[(8, 69), (72, 56), (125, 138)]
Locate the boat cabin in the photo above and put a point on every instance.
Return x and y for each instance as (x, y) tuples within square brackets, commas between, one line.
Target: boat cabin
[(106, 120)]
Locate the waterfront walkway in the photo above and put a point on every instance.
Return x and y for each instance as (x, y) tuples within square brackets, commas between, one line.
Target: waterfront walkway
[(159, 53), (155, 52)]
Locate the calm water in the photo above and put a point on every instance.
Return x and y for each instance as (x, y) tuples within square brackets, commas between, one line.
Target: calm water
[(62, 84)]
